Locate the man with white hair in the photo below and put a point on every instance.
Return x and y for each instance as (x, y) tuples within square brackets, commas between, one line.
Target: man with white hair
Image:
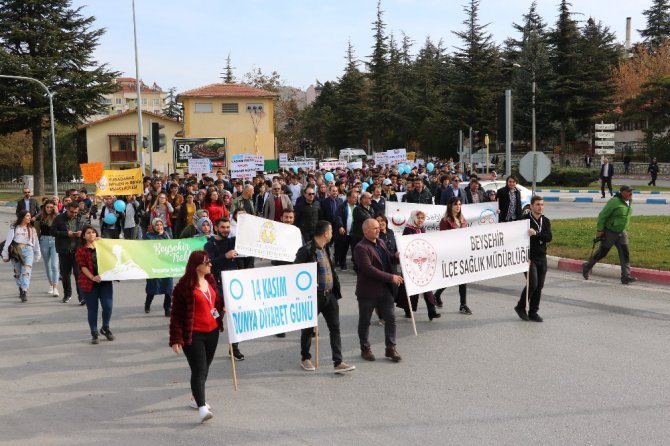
[(245, 201)]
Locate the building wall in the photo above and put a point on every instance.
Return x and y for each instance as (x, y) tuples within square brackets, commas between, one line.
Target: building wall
[(237, 127), (98, 146)]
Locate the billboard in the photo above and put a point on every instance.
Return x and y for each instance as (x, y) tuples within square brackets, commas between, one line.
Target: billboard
[(213, 149)]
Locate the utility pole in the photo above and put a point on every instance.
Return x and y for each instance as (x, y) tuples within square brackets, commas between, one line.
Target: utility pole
[(138, 106)]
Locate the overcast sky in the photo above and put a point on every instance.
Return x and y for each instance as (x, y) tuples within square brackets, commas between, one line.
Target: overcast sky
[(184, 44)]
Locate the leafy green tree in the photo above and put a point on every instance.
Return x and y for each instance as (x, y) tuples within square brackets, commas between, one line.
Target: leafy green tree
[(651, 106), (50, 41), (658, 23)]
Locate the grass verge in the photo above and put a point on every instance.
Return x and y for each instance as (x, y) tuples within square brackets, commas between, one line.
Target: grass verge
[(649, 241)]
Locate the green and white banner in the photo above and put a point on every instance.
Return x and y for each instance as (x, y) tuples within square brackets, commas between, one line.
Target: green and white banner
[(144, 259)]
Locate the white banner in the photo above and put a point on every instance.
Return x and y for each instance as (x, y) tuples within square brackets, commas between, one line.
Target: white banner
[(199, 165), (283, 157), (267, 239), (305, 165), (242, 170), (257, 160), (381, 158), (475, 214), (332, 165), (440, 259), (355, 165), (396, 156), (266, 301)]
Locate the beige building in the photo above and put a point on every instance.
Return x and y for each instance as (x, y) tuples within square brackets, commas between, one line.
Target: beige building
[(243, 115), (113, 140), (125, 98)]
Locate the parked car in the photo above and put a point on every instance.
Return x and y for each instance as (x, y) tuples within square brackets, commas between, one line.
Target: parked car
[(526, 193)]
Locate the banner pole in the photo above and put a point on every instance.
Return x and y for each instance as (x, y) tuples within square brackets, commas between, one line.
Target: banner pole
[(411, 313), (527, 285), (232, 365), (316, 347)]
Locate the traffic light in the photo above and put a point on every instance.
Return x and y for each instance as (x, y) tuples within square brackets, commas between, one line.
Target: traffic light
[(157, 138), (475, 138), (145, 142)]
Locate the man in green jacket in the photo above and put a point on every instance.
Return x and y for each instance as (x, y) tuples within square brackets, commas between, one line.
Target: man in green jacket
[(612, 229)]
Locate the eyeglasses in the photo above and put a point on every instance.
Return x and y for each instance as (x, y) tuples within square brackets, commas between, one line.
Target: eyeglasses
[(309, 195)]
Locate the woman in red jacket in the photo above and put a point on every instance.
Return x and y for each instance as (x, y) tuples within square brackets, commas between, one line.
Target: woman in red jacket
[(195, 323), (453, 219), (215, 206)]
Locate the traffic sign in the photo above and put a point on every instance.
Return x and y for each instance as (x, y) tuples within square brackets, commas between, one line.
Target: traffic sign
[(605, 143), (604, 151), (605, 126), (605, 135), (542, 169)]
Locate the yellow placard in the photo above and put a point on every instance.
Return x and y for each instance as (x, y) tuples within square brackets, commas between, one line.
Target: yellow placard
[(120, 182), (91, 171)]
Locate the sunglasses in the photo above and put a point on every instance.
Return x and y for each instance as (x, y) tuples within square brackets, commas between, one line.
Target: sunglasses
[(309, 194)]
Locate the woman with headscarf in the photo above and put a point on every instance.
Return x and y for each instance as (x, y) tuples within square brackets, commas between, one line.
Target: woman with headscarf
[(453, 219), (415, 225), (162, 285), (203, 227)]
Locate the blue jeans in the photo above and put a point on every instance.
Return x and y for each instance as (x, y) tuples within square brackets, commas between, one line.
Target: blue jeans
[(104, 293), (23, 270), (50, 256)]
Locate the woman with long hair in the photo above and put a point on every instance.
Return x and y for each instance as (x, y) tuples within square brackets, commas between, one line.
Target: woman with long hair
[(215, 206), (195, 322), (416, 225), (25, 251), (44, 227), (160, 208), (453, 219), (162, 285), (186, 214), (94, 290)]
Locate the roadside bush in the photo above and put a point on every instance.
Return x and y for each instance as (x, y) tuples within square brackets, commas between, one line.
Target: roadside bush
[(567, 176)]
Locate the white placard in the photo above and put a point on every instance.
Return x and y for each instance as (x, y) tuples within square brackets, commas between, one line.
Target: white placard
[(332, 165), (257, 160), (242, 170), (305, 165), (396, 156), (266, 301), (381, 158), (604, 143), (605, 135), (355, 165), (283, 157), (440, 259), (475, 214), (267, 239), (605, 126), (199, 165)]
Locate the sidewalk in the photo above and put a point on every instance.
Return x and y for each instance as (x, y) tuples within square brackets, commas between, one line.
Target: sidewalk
[(609, 271)]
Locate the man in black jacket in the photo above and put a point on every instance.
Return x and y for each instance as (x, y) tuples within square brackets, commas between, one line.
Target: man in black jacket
[(509, 201), (27, 203), (606, 174), (328, 293), (540, 235), (307, 213), (67, 229), (420, 194)]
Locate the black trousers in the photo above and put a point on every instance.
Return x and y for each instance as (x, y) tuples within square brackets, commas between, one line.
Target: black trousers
[(331, 313), (537, 271), (342, 243), (167, 301), (366, 306), (245, 262), (606, 181), (68, 266), (353, 241), (462, 292), (199, 356)]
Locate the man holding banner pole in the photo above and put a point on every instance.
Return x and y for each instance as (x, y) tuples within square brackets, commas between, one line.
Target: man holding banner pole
[(540, 234), (328, 293)]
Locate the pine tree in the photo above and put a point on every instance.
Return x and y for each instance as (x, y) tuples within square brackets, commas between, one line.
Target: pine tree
[(352, 114), (658, 23), (172, 108), (49, 41), (227, 76), (379, 79)]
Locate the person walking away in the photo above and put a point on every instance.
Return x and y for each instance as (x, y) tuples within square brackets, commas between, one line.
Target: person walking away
[(195, 322), (540, 234), (44, 226), (376, 286), (94, 289), (612, 230), (653, 171), (328, 293), (161, 285), (131, 218), (26, 251)]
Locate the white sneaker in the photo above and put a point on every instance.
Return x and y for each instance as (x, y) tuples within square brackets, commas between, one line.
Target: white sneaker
[(194, 405), (51, 290), (56, 294), (205, 414)]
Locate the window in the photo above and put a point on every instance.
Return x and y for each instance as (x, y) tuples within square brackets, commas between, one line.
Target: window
[(119, 101), (230, 108), (157, 102), (203, 107), (106, 101), (144, 101), (126, 144)]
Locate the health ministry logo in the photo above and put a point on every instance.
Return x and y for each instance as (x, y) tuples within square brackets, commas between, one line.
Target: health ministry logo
[(488, 217), (268, 233), (421, 261)]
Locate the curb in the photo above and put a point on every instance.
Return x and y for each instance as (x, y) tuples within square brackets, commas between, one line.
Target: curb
[(555, 198), (593, 191), (609, 271)]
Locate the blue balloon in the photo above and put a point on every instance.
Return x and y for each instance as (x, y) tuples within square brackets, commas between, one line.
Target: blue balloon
[(295, 169), (329, 176), (401, 168), (370, 180), (408, 168), (364, 186), (430, 167), (120, 206), (110, 218)]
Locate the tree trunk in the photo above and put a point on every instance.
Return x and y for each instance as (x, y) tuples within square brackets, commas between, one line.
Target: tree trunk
[(38, 161), (562, 154)]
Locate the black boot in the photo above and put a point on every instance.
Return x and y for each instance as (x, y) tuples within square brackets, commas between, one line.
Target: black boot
[(237, 354), (147, 303), (433, 314)]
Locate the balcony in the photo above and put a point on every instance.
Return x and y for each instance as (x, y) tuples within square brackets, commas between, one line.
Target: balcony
[(122, 147)]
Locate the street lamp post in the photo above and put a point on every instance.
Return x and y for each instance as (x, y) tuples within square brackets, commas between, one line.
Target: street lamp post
[(138, 105), (533, 130), (53, 128)]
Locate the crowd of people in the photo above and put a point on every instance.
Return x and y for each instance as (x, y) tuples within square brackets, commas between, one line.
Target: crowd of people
[(343, 210)]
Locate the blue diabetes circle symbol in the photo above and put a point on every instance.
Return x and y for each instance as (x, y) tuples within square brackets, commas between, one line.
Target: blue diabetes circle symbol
[(236, 289), (303, 280)]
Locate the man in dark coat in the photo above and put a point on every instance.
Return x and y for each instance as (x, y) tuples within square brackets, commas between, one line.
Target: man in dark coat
[(307, 213), (327, 294), (27, 203)]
